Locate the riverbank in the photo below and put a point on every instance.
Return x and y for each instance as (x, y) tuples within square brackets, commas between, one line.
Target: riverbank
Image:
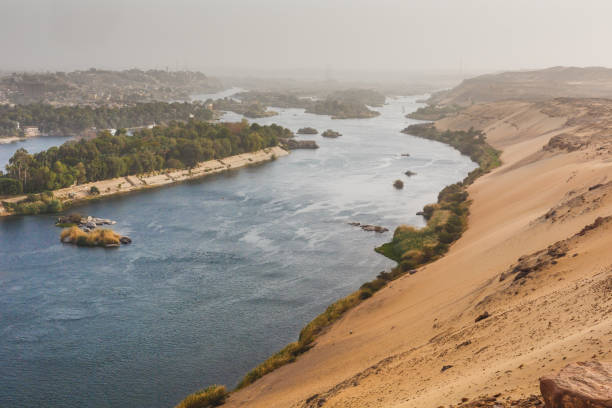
[(422, 342), (121, 185)]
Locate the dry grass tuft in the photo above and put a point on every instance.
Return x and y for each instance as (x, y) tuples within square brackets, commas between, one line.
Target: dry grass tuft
[(211, 396), (98, 237)]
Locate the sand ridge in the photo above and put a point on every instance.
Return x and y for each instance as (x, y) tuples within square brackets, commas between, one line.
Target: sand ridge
[(390, 351)]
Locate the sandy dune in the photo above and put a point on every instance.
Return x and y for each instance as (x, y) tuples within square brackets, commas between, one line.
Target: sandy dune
[(553, 306)]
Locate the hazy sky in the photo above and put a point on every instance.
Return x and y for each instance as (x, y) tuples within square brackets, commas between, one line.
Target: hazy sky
[(381, 35)]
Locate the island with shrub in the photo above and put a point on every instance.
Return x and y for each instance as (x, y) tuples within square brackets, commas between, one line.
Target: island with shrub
[(331, 134), (109, 164), (307, 131), (347, 104)]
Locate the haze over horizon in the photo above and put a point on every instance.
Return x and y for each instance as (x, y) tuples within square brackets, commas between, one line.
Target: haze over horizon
[(239, 36)]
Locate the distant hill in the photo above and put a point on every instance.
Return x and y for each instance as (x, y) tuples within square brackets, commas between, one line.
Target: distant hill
[(592, 82), (102, 87)]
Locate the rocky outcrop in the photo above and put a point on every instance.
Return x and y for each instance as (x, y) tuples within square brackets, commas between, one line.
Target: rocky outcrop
[(331, 133), (307, 131), (565, 142), (497, 401), (579, 385), (537, 261), (368, 227), (293, 144), (374, 228)]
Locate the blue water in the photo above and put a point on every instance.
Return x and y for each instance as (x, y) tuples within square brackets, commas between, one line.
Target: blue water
[(222, 272), (32, 145)]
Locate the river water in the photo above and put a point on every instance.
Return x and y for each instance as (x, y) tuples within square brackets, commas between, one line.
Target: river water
[(222, 272)]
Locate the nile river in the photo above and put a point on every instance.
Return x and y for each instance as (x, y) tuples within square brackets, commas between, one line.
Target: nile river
[(222, 272)]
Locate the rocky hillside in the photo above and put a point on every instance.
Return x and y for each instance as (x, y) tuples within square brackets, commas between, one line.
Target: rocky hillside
[(529, 86)]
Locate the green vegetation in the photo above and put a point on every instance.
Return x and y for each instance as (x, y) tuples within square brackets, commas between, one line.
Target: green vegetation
[(102, 87), (433, 112), (307, 131), (331, 133), (35, 204), (98, 237), (275, 99), (253, 109), (471, 143), (410, 247), (177, 145), (211, 396), (341, 109), (74, 120), (363, 96), (447, 219), (348, 104)]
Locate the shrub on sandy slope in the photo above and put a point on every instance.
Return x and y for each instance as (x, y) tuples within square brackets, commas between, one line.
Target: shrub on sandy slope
[(211, 396)]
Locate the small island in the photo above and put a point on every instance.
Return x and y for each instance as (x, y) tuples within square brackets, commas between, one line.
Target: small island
[(398, 184), (83, 231), (105, 238), (331, 133), (253, 110), (307, 131), (292, 144)]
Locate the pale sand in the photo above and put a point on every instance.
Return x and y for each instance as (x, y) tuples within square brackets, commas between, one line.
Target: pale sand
[(128, 184), (11, 139), (389, 351)]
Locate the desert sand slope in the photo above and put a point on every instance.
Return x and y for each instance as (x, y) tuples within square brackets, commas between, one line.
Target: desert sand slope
[(551, 307)]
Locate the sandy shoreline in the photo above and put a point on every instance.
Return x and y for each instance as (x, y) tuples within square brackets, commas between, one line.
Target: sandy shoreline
[(12, 139), (122, 185), (389, 351)]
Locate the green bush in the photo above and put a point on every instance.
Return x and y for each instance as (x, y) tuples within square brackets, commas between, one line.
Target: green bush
[(211, 396), (10, 186)]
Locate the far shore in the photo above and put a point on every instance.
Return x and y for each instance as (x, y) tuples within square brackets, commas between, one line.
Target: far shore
[(121, 185), (12, 139)]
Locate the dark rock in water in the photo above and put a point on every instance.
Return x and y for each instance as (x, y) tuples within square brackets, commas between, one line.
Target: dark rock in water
[(125, 240), (331, 133), (406, 154), (354, 224), (410, 173), (293, 144), (579, 385), (374, 228), (420, 213), (482, 316), (399, 184)]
